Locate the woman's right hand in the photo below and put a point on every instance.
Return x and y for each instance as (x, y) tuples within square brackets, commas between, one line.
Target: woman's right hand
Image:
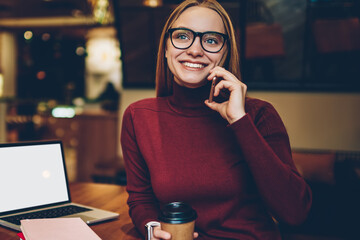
[(160, 234)]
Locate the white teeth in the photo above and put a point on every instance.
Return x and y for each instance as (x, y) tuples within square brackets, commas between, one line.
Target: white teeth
[(194, 65)]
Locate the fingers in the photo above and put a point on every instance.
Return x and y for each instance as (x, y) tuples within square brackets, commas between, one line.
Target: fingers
[(160, 234), (225, 84), (234, 108), (213, 105), (227, 80), (222, 73)]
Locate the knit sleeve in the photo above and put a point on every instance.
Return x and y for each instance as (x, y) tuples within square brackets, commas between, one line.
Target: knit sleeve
[(264, 142), (142, 203)]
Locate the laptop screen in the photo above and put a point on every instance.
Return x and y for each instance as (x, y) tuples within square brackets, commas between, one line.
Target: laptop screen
[(31, 175)]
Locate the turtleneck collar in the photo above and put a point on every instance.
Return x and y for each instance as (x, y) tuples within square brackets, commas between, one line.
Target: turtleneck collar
[(190, 101)]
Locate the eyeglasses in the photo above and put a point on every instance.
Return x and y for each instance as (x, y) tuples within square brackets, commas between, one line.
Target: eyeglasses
[(183, 38)]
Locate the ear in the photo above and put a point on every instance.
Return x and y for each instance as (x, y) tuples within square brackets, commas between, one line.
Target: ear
[(166, 51)]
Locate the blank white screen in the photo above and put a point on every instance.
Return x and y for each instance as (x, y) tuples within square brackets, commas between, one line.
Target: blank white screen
[(31, 175)]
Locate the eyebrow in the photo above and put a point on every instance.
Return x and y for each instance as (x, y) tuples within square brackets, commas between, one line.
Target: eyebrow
[(196, 31)]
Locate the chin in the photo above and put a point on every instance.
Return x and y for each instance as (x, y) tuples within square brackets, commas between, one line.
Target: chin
[(193, 84)]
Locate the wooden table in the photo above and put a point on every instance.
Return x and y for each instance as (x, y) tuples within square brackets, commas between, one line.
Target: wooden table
[(104, 196)]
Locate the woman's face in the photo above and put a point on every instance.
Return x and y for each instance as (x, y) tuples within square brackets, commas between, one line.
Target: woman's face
[(191, 66)]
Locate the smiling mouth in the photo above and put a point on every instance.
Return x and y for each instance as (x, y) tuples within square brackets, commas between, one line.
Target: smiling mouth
[(194, 65)]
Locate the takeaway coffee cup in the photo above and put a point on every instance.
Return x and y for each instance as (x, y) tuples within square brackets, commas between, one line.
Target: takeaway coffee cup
[(178, 218)]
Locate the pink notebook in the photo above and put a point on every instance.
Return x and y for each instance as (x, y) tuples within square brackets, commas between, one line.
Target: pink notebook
[(57, 229)]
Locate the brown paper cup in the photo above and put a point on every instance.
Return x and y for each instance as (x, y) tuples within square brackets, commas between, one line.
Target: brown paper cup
[(178, 218), (183, 231)]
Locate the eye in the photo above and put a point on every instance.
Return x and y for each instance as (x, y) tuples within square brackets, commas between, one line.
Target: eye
[(182, 35), (212, 39)]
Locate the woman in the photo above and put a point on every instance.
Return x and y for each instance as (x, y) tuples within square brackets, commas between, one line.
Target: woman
[(230, 159)]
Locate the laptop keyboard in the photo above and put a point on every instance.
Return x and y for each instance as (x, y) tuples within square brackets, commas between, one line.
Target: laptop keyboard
[(49, 213)]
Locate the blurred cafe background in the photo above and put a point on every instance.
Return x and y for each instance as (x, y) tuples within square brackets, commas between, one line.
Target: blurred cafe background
[(69, 68)]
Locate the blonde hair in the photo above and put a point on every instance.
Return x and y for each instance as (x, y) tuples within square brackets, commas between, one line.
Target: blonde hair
[(164, 77)]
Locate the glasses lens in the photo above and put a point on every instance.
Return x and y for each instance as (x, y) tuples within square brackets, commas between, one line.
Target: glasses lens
[(182, 38), (212, 42)]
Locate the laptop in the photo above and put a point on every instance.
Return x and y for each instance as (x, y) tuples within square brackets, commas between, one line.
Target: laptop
[(33, 182)]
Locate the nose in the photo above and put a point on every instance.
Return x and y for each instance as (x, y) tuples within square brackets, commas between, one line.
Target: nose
[(196, 49)]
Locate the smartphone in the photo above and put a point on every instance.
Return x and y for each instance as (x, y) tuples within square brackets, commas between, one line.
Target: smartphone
[(213, 83), (225, 93)]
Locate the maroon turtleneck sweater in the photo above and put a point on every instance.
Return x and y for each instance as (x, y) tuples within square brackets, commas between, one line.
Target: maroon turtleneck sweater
[(237, 177)]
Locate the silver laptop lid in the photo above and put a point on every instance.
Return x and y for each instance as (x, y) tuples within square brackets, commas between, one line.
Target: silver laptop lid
[(32, 174)]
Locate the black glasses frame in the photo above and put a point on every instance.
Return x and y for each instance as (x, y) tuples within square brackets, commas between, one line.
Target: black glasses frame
[(196, 34)]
